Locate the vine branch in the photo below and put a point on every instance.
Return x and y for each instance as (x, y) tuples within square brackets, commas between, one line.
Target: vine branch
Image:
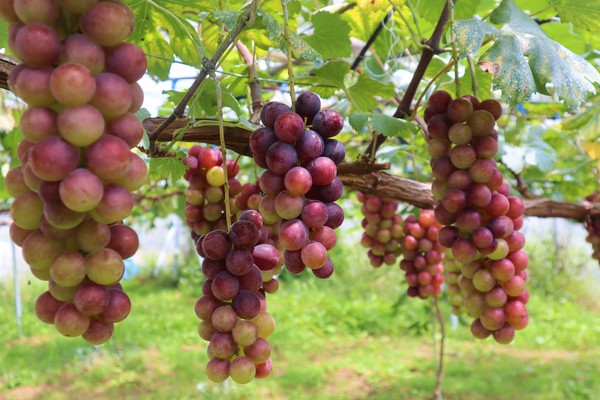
[(208, 65), (431, 48), (367, 178), (371, 40)]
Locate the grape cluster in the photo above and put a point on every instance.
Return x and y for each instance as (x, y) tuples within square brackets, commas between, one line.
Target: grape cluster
[(300, 185), (383, 229), (593, 227), (481, 218), (72, 189), (205, 197), (233, 305), (423, 256)]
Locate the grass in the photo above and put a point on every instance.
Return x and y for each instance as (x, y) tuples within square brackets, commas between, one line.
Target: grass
[(350, 337)]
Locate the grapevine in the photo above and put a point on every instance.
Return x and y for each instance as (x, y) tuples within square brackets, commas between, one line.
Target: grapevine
[(592, 225)]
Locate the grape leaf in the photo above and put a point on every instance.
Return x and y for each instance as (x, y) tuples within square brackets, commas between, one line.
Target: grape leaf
[(470, 34), (300, 48), (505, 59), (585, 123), (358, 120), (581, 13), (523, 59), (331, 37), (166, 167), (365, 91), (392, 127), (162, 30)]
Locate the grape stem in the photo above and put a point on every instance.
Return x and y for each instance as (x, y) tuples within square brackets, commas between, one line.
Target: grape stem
[(207, 66), (432, 47), (288, 45), (437, 392), (474, 86), (219, 94), (521, 185)]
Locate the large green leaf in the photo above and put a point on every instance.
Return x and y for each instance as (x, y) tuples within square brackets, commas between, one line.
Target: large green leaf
[(581, 13), (331, 36), (275, 29), (512, 75), (162, 30), (366, 91), (523, 59), (392, 127), (168, 167)]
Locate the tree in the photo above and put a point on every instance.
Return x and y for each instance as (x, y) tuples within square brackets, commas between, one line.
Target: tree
[(549, 146)]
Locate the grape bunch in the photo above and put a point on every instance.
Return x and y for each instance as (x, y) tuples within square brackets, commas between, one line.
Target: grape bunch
[(593, 227), (423, 256), (249, 199), (383, 229), (205, 197), (72, 188), (232, 309), (481, 219), (300, 185)]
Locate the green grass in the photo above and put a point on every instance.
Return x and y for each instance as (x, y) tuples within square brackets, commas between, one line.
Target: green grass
[(353, 336)]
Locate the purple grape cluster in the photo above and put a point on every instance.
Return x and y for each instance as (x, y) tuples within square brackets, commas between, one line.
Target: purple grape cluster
[(73, 187), (300, 186), (233, 308), (383, 229), (481, 218)]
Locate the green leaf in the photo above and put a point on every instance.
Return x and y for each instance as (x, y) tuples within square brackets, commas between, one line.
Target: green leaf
[(171, 168), (586, 123), (392, 127), (157, 21), (523, 60), (331, 37), (470, 34), (431, 10), (581, 13), (143, 114), (365, 92), (358, 120), (3, 34), (300, 48), (227, 18), (332, 74), (512, 75)]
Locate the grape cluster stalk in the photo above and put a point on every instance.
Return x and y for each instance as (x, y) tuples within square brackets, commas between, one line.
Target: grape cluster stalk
[(422, 256), (592, 225), (481, 219), (383, 229), (205, 197), (233, 308), (72, 188), (300, 184)]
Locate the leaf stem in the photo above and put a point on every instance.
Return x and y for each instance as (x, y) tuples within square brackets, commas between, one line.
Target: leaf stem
[(474, 86), (288, 45), (208, 65)]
